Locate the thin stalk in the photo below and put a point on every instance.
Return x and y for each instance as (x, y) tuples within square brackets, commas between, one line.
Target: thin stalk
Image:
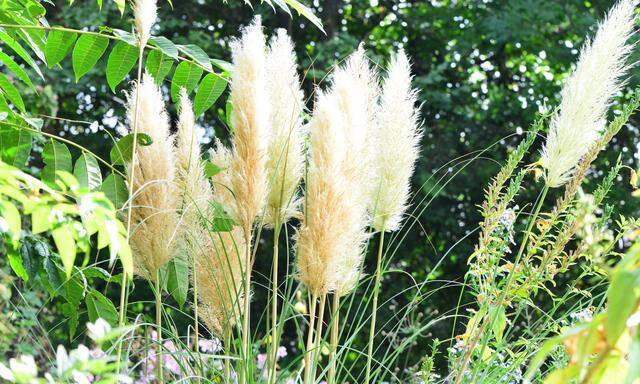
[(274, 308), (123, 283), (307, 352), (196, 320), (374, 310), (335, 334), (246, 315), (318, 341), (227, 361), (159, 329), (504, 290)]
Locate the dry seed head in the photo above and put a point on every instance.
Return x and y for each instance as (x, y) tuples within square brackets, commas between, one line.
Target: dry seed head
[(145, 13), (587, 94), (155, 196), (285, 162), (395, 147), (250, 120)]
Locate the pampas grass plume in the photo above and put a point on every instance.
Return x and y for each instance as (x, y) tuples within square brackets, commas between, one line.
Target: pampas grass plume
[(145, 13), (396, 138), (250, 124), (155, 196), (587, 94), (285, 162)]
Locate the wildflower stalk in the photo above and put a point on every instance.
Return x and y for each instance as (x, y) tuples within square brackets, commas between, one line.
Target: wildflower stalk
[(374, 310), (307, 352), (335, 334), (504, 290)]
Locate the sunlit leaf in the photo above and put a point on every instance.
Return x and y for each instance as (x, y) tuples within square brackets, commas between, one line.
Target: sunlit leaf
[(86, 53)]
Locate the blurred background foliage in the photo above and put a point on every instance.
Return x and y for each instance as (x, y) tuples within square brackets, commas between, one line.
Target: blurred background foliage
[(484, 69)]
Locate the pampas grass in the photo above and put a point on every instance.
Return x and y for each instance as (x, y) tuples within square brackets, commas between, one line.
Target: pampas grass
[(395, 148), (145, 13), (247, 176), (155, 196), (587, 94), (285, 157)]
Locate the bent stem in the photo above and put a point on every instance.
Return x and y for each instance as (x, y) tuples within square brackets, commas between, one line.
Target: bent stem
[(335, 334), (374, 310), (503, 291), (159, 329), (307, 352), (274, 308)]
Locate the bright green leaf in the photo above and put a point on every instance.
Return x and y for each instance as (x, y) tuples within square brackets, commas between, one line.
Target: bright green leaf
[(98, 306), (11, 92), (64, 240), (58, 46), (17, 70), (122, 151), (178, 279), (158, 65), (87, 52), (622, 299), (115, 188), (166, 46), (208, 92), (197, 54), (121, 59), (87, 171), (56, 157), (186, 76)]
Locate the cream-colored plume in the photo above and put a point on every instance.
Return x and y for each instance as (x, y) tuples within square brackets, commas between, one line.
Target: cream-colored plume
[(320, 239), (145, 13), (587, 94), (395, 146), (155, 197), (250, 120), (285, 162)]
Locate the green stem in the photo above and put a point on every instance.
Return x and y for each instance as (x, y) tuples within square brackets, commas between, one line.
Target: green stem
[(374, 310), (505, 289), (274, 309), (246, 315), (159, 377), (318, 341), (307, 352), (196, 320), (335, 334)]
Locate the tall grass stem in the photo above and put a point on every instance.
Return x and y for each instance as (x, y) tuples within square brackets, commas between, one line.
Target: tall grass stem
[(374, 309)]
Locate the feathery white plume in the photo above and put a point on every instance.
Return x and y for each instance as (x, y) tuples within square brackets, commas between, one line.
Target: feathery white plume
[(320, 239), (155, 197), (587, 94), (250, 120), (395, 145), (145, 13), (285, 162)]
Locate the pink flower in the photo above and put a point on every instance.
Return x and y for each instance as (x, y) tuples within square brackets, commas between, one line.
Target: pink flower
[(262, 358), (282, 352)]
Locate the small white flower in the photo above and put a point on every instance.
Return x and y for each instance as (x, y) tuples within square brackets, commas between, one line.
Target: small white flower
[(5, 373), (80, 377), (98, 330), (62, 360), (24, 369), (87, 205), (633, 320), (4, 226)]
